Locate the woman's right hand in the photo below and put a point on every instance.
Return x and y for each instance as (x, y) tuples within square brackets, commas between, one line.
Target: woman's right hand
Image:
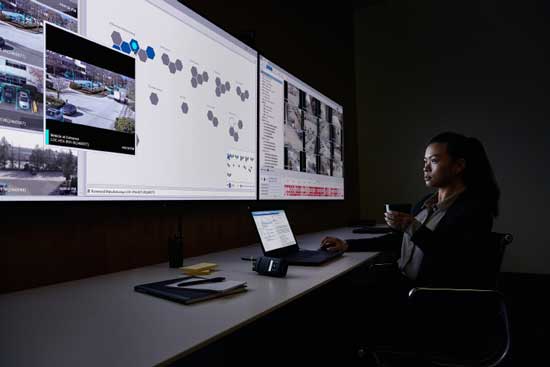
[(333, 244)]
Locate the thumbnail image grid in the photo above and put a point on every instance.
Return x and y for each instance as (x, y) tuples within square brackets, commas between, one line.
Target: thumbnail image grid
[(81, 93), (28, 168), (313, 139)]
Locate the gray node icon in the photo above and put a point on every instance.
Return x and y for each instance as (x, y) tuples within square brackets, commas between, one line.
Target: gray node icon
[(193, 82), (240, 124), (142, 55), (218, 92), (172, 68), (116, 37), (184, 108), (210, 115), (215, 122), (243, 97), (227, 86), (154, 99), (205, 76), (222, 88), (246, 95), (218, 81), (199, 79), (238, 91), (194, 72), (236, 136), (165, 59), (179, 65), (231, 131)]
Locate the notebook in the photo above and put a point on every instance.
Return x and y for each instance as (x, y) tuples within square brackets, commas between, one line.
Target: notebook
[(168, 289)]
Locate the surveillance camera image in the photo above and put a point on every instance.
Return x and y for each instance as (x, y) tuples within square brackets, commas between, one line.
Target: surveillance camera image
[(28, 168), (90, 99), (22, 59)]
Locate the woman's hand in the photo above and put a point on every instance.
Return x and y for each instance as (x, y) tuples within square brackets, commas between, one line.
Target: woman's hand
[(398, 220), (333, 244)]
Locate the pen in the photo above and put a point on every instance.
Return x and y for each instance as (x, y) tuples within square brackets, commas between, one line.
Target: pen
[(210, 280)]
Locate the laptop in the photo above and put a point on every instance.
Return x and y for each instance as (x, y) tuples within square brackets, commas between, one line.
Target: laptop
[(278, 240)]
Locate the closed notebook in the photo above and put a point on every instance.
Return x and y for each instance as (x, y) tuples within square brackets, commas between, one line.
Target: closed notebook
[(168, 289), (224, 286)]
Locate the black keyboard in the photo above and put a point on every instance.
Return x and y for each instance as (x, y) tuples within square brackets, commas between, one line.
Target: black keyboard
[(308, 254), (305, 254)]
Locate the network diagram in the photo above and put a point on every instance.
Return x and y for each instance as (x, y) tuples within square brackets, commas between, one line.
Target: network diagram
[(143, 54), (198, 78)]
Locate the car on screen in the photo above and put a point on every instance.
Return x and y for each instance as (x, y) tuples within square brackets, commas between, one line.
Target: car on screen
[(69, 109), (54, 114), (49, 82), (24, 100), (9, 94), (3, 188)]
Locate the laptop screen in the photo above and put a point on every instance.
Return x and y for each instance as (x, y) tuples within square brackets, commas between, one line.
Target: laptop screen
[(274, 229)]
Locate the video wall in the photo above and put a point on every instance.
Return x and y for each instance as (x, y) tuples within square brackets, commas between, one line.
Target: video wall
[(98, 105)]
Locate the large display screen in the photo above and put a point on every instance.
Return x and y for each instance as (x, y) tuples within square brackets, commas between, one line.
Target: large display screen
[(127, 99), (301, 139)]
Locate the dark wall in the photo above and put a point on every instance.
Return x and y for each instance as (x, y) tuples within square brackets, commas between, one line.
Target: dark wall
[(44, 243), (475, 67)]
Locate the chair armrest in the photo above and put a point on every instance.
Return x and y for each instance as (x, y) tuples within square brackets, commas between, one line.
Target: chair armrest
[(452, 292), (383, 267)]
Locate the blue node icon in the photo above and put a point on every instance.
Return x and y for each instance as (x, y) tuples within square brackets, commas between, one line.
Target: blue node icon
[(134, 45), (150, 52), (125, 47), (116, 47)]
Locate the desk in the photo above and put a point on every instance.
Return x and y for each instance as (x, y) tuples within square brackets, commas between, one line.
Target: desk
[(102, 321)]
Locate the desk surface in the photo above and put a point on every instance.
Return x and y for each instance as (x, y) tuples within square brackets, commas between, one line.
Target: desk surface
[(102, 321)]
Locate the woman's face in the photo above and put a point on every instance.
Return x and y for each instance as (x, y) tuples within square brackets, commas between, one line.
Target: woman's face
[(439, 169)]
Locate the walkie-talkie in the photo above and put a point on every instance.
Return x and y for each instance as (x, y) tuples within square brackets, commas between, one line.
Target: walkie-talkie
[(270, 266)]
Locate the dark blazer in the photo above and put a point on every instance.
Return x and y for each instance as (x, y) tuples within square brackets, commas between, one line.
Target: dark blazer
[(457, 253)]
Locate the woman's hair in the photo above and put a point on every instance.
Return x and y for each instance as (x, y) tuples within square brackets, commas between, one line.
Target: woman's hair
[(478, 175)]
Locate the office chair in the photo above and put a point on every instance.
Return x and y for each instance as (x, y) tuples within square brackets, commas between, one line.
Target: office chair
[(453, 327)]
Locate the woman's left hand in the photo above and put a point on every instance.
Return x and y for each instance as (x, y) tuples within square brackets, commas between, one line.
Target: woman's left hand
[(398, 220)]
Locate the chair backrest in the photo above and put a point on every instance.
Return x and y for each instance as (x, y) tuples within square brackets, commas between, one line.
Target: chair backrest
[(499, 242)]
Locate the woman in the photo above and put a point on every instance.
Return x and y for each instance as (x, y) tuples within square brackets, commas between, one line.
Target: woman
[(444, 242)]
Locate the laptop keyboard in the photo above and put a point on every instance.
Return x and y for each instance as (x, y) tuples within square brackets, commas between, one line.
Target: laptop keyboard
[(307, 254)]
